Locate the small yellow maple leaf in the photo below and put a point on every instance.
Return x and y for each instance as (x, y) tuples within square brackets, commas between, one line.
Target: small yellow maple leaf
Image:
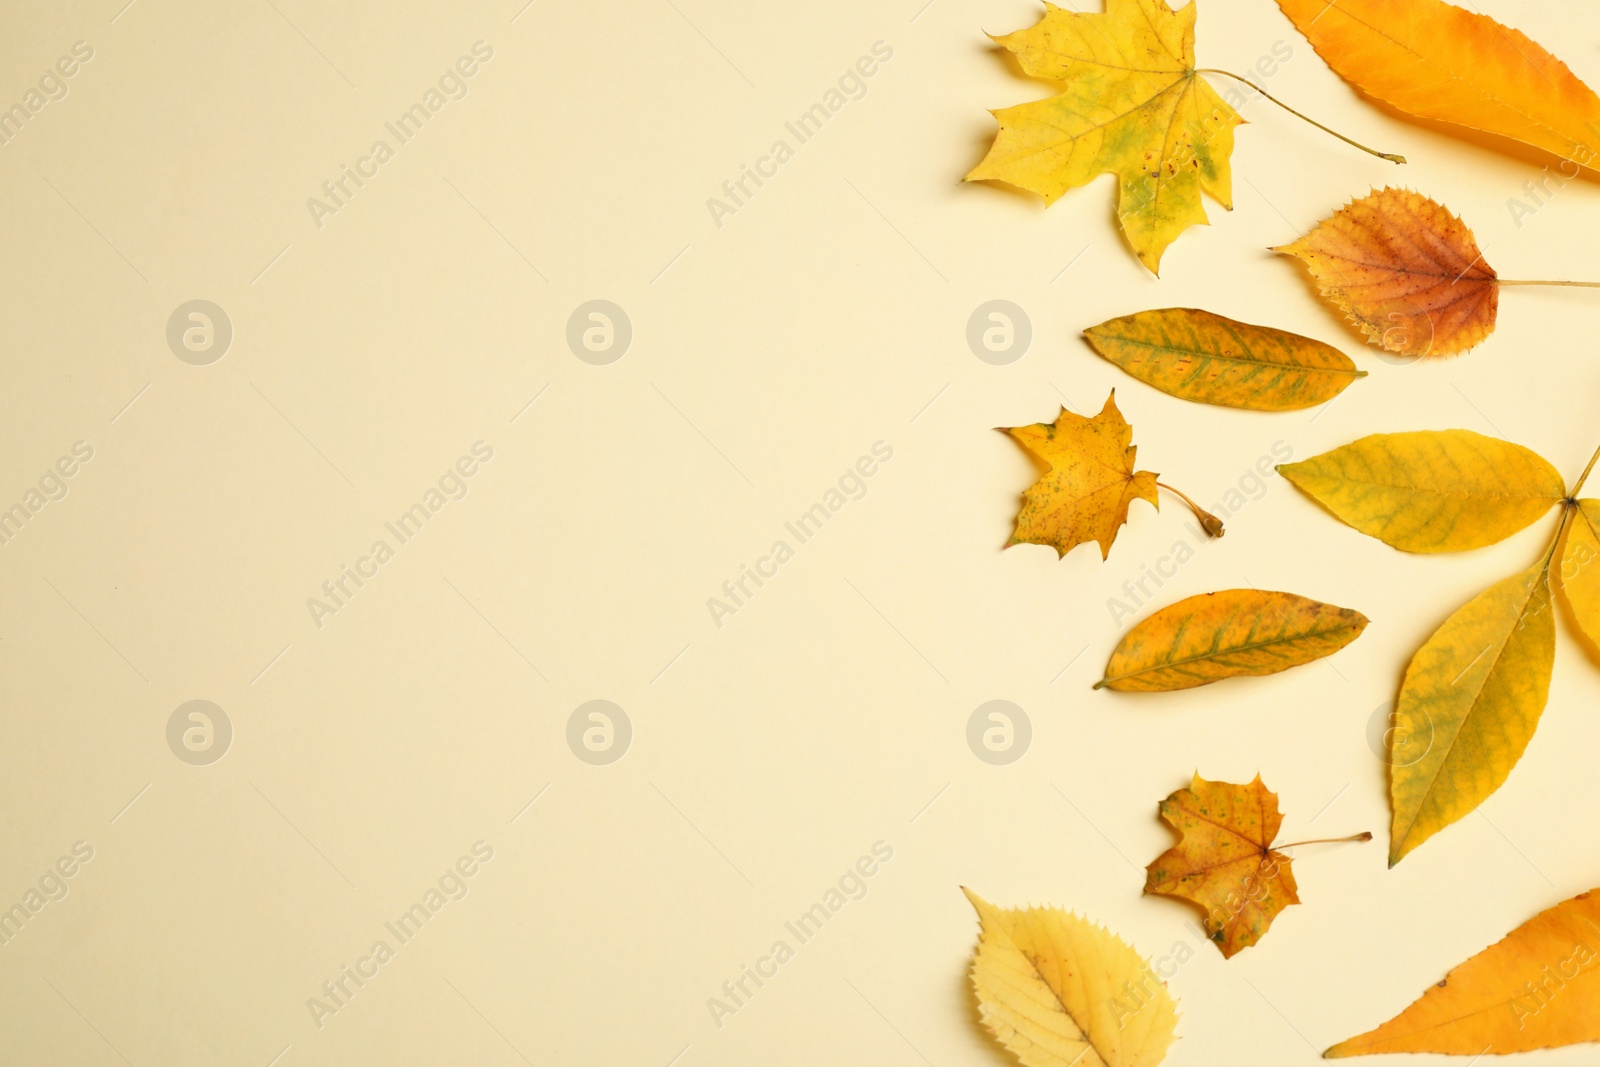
[(1060, 991), (1224, 860), (1132, 105), (1084, 496)]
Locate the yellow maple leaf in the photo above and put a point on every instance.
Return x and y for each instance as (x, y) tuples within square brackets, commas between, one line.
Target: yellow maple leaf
[(1084, 496), (1132, 105), (1535, 988), (1060, 991)]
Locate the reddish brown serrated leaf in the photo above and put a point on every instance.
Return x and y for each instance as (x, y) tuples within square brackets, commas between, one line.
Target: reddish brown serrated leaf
[(1406, 271)]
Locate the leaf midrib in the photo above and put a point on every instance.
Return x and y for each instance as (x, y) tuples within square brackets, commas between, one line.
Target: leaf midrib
[(1247, 647)]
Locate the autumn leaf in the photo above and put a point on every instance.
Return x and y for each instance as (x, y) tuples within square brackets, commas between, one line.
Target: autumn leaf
[(1579, 577), (1431, 490), (1538, 987), (1132, 105), (1405, 270), (1236, 632), (1084, 496), (1477, 687), (1224, 860), (1199, 356), (1438, 61), (1060, 991)]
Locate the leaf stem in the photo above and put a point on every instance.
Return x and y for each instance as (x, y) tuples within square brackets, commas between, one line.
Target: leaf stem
[(1208, 522), (1581, 478), (1390, 156), (1579, 285), (1365, 835)]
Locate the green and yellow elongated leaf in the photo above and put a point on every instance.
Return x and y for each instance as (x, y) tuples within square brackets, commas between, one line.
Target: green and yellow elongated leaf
[(1431, 490), (1475, 691), (1060, 991), (1537, 987), (1580, 569), (1203, 357), (1236, 632), (1131, 105)]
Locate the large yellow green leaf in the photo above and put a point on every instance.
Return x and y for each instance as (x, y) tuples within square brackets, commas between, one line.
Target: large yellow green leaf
[(1431, 490), (1132, 105), (1199, 356), (1235, 632), (1477, 689), (1060, 991), (1580, 569)]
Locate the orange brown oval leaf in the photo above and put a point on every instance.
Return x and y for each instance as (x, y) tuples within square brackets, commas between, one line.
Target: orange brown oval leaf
[(1212, 636), (1224, 861), (1405, 270)]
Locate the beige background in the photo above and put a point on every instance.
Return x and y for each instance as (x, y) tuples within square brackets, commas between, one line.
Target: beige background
[(830, 712)]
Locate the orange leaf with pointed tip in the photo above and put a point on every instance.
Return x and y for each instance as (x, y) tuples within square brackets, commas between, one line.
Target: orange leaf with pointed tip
[(1438, 61), (1405, 270), (1224, 860), (1085, 494), (1539, 987)]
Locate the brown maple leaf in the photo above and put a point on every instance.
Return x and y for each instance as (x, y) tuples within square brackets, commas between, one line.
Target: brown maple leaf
[(1224, 860)]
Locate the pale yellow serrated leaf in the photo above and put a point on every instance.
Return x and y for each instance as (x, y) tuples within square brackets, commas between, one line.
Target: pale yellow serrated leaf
[(1060, 991)]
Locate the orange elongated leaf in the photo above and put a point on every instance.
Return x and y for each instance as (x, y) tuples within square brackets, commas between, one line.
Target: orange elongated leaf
[(1204, 357), (1084, 496), (1224, 861), (1442, 62), (1235, 632), (1405, 270), (1539, 987)]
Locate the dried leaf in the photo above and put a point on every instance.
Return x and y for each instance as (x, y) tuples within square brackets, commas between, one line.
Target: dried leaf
[(1224, 860), (1235, 632), (1580, 569), (1438, 61), (1132, 105), (1199, 356), (1431, 490), (1538, 987), (1060, 991), (1085, 494), (1404, 270), (1477, 689)]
